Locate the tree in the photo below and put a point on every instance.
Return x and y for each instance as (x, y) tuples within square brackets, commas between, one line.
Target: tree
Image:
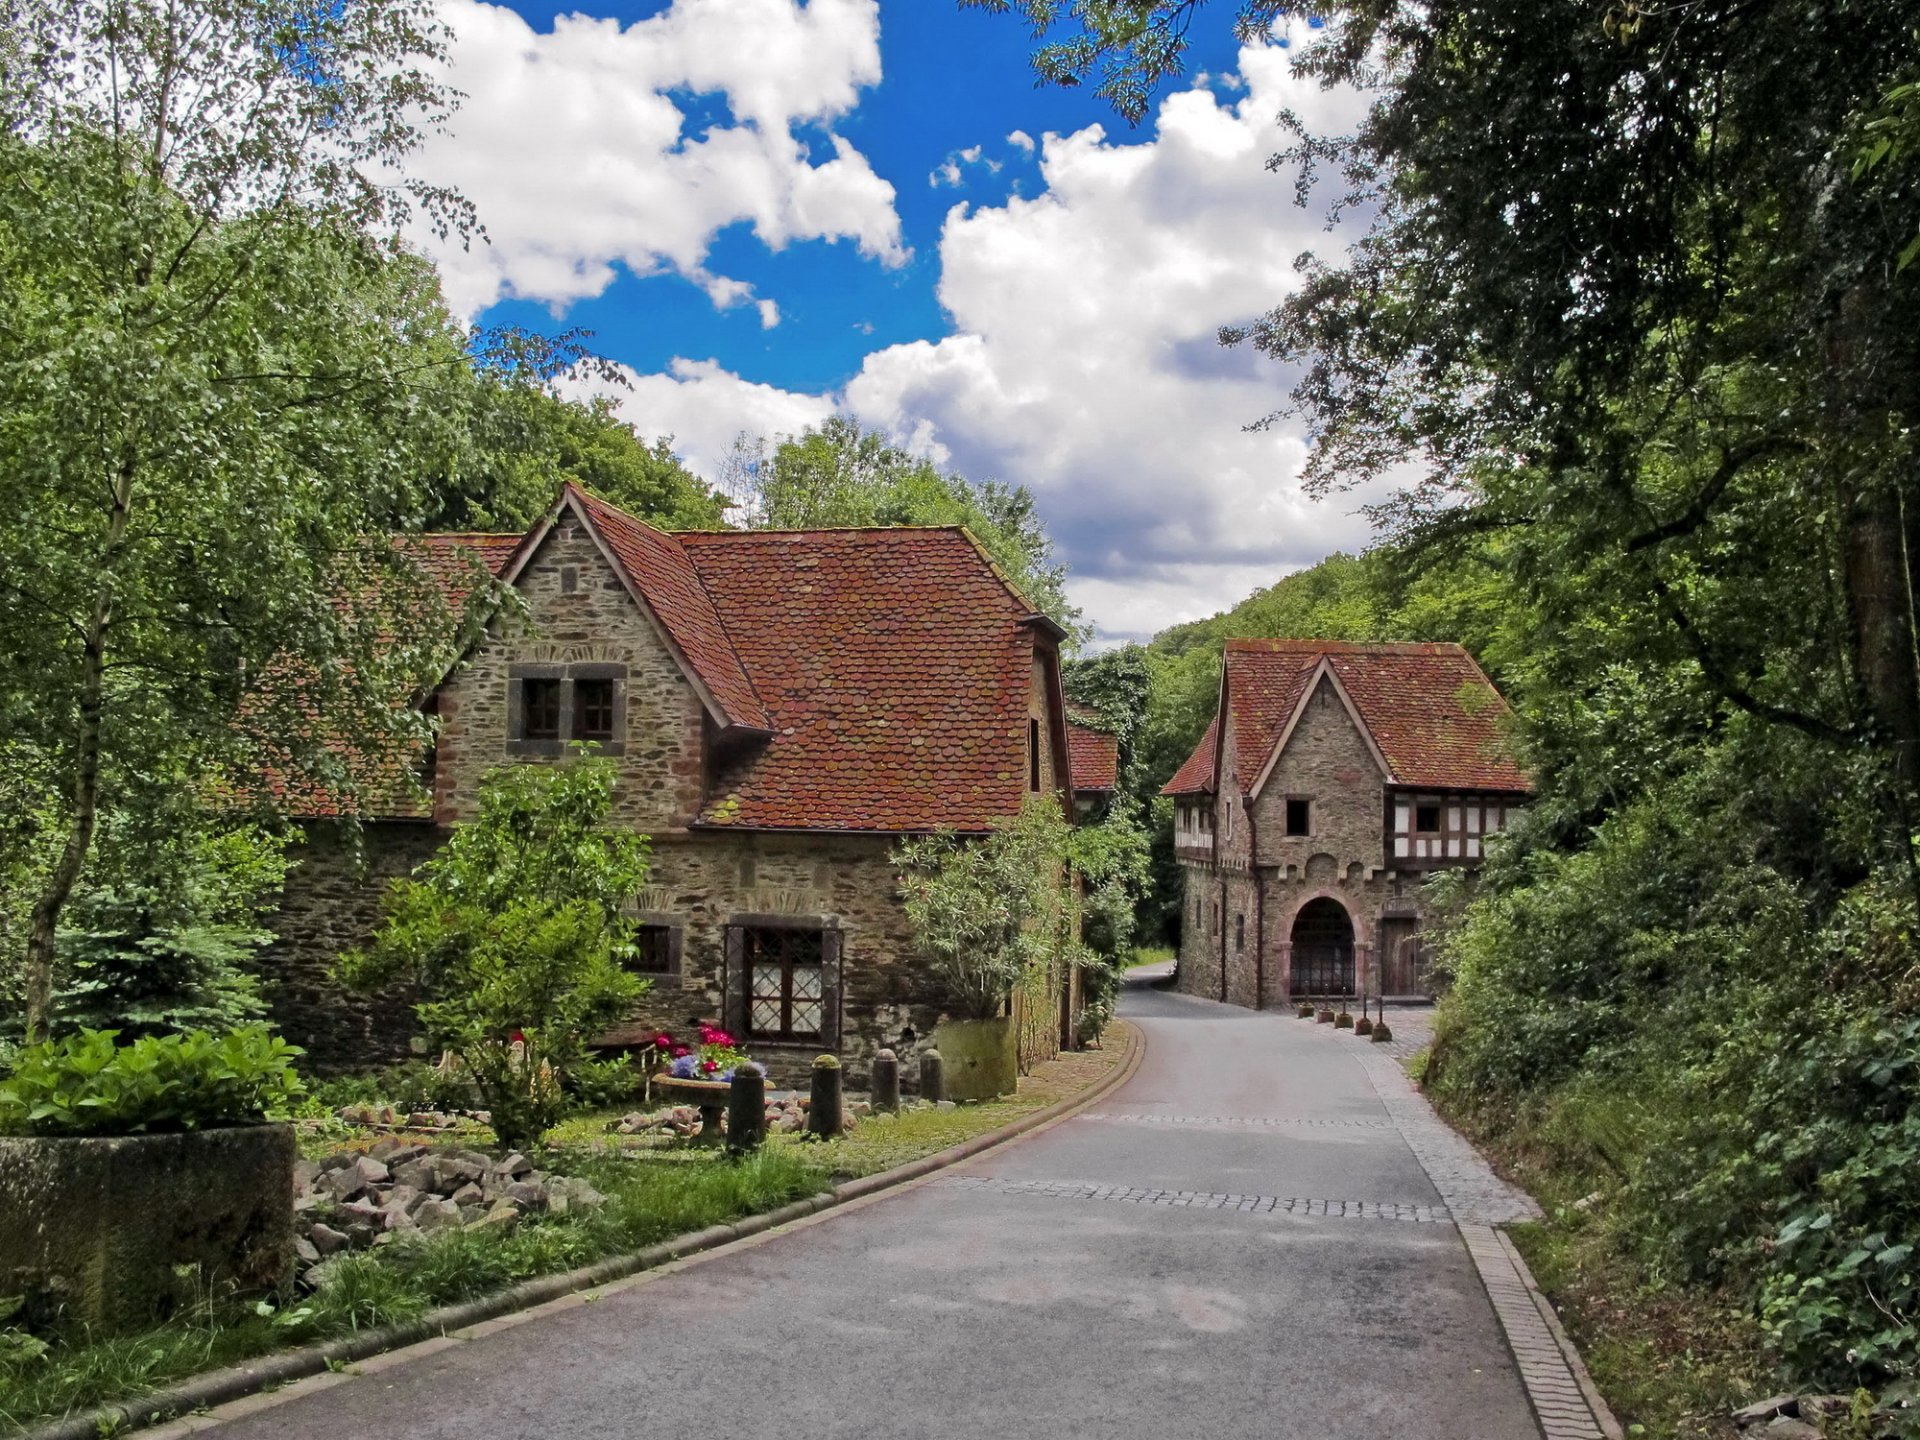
[(843, 474), (989, 913), (217, 375), (524, 441), (515, 933)]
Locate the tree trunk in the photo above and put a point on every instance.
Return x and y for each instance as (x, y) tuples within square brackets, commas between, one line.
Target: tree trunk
[(1879, 590), (86, 773)]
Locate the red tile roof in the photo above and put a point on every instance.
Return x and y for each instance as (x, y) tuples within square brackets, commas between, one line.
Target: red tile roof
[(657, 565), (385, 775), (1093, 759), (874, 679), (1435, 717), (1195, 775), (896, 665)]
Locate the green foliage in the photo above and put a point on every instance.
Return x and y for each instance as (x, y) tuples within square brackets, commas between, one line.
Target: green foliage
[(87, 1084), (162, 932), (516, 929), (841, 474), (989, 913), (414, 1085), (218, 376), (524, 441)]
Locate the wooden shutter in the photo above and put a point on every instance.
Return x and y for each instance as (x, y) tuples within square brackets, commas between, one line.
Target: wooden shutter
[(733, 983), (830, 952)]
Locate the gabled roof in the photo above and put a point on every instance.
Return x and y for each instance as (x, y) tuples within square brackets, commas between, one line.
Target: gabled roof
[(896, 664), (1093, 757), (1195, 775), (861, 679), (658, 573), (451, 558), (1430, 714)]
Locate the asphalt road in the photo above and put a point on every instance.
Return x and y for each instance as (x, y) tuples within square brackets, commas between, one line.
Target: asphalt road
[(1035, 1292)]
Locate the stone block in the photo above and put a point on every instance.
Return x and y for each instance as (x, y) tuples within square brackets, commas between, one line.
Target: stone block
[(95, 1228)]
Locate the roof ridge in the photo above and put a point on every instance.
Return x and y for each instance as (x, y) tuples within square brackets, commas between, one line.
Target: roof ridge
[(590, 500), (776, 532), (1309, 646)]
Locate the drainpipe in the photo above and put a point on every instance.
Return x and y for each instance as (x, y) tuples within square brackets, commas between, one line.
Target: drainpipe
[(1259, 913)]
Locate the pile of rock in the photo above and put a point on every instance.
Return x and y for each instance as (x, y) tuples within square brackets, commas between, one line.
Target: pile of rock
[(355, 1199), (385, 1117), (786, 1114), (1792, 1417)]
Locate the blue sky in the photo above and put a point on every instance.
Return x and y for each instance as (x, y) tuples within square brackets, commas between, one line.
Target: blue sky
[(770, 210), (953, 80)]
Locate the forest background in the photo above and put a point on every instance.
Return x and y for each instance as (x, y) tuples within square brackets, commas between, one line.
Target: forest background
[(1637, 307)]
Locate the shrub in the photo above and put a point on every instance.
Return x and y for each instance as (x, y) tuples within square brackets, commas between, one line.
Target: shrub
[(988, 913), (515, 934), (87, 1084)]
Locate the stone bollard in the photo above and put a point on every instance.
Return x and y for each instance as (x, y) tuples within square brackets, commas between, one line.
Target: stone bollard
[(933, 1077), (823, 1110), (746, 1110), (886, 1082)]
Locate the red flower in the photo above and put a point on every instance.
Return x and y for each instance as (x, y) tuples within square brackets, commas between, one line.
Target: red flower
[(680, 1050), (709, 1066), (663, 1040)]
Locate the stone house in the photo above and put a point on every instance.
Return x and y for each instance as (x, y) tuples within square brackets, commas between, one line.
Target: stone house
[(783, 707), (1333, 780)]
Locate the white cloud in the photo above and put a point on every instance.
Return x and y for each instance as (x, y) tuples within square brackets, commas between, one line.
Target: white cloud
[(952, 170), (1021, 140), (1083, 361), (704, 408), (575, 148)]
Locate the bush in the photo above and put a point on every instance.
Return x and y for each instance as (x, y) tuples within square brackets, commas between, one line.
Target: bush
[(414, 1085), (515, 934), (87, 1084)]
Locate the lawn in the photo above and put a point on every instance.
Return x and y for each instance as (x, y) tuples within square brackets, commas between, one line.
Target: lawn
[(654, 1189)]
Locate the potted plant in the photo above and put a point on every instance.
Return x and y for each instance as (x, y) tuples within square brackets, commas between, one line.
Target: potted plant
[(128, 1171), (701, 1074)]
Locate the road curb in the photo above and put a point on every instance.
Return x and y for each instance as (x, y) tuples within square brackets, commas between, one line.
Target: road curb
[(238, 1382)]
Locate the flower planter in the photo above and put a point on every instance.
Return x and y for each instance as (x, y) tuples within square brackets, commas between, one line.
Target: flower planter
[(92, 1230), (981, 1057)]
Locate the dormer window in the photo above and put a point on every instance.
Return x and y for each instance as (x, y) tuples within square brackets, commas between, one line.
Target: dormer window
[(540, 709), (554, 705)]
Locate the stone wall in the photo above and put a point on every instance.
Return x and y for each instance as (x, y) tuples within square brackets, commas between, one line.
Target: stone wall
[(332, 904), (699, 882), (583, 620)]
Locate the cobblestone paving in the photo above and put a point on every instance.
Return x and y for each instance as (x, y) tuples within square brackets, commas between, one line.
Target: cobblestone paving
[(1472, 1192), (1233, 1122), (1560, 1396), (1200, 1200)]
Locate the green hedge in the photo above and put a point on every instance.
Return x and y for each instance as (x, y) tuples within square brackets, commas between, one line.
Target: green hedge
[(88, 1084)]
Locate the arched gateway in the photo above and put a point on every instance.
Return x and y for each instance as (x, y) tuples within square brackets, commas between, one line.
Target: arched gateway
[(1322, 949)]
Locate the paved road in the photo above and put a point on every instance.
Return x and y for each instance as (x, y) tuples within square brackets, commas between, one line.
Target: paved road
[(1044, 1289)]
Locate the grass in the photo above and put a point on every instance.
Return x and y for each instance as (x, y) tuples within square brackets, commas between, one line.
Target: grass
[(1671, 1361), (1147, 955), (651, 1197), (654, 1190)]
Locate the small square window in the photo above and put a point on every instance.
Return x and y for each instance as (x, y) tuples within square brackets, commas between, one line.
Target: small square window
[(1426, 819), (1299, 817), (540, 709), (593, 709), (569, 579)]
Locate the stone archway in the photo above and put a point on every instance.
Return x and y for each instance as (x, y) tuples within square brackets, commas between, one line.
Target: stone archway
[(1322, 949)]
